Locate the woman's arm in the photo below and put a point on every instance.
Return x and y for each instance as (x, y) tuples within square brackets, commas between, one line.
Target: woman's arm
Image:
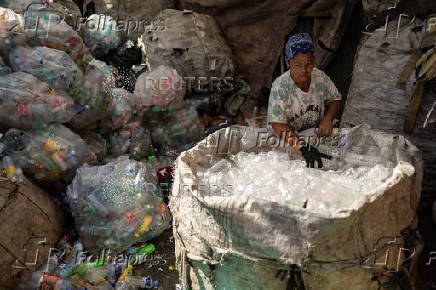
[(325, 127), (288, 134)]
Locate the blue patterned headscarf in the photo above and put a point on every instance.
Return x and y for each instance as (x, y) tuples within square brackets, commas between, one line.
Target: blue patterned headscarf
[(298, 43)]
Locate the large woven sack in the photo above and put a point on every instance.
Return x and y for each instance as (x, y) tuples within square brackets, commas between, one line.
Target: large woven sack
[(31, 224), (191, 43), (381, 88), (240, 242)]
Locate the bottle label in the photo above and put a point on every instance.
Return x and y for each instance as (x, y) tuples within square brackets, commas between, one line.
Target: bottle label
[(145, 223), (146, 282), (10, 169), (50, 278)]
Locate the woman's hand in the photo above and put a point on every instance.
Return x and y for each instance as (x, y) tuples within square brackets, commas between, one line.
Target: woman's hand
[(296, 142), (325, 127)]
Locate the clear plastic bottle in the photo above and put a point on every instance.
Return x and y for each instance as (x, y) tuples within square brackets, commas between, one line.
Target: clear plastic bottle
[(2, 148), (65, 271), (47, 281), (101, 231), (387, 157), (20, 176), (9, 168), (114, 270), (96, 274), (140, 282), (361, 160)]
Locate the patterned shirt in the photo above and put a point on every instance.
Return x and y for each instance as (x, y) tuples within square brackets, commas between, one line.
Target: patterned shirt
[(288, 104)]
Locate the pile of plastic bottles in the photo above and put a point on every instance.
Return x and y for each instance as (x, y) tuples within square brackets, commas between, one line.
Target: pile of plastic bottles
[(117, 205), (176, 130), (65, 120), (69, 267), (274, 176), (101, 34), (46, 153), (161, 87), (93, 97), (26, 101), (132, 139), (52, 66)]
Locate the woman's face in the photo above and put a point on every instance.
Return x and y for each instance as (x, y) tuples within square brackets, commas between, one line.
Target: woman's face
[(301, 67)]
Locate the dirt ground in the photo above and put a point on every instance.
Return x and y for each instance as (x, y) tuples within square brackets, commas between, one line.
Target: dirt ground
[(157, 265)]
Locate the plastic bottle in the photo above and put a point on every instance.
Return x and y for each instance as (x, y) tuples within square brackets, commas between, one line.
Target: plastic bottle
[(361, 160), (98, 205), (47, 281), (112, 244), (149, 249), (387, 157), (65, 271), (20, 176), (59, 160), (96, 274), (97, 230), (77, 280), (123, 229), (10, 170), (141, 282), (114, 270), (143, 226), (126, 272), (2, 148)]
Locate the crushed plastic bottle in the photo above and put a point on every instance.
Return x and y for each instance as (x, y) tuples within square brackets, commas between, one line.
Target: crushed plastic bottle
[(273, 176)]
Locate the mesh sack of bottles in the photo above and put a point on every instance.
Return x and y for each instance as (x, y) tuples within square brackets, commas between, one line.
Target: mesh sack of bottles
[(175, 130), (132, 139), (47, 153), (49, 65), (117, 205), (161, 88), (48, 28), (125, 108), (93, 97), (26, 102), (101, 34)]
